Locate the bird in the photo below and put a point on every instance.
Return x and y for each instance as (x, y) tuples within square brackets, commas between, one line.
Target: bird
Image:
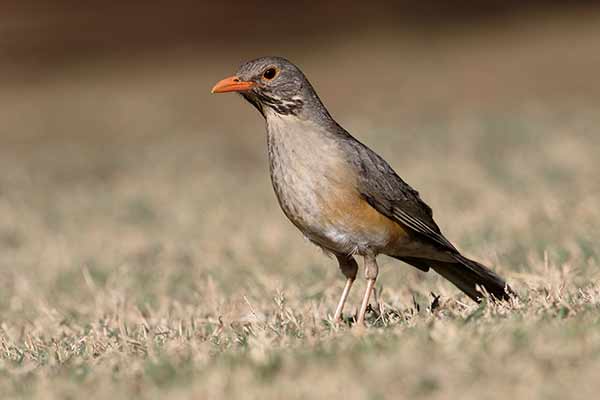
[(342, 195)]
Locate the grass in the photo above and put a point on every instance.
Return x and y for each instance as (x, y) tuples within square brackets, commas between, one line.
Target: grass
[(144, 255)]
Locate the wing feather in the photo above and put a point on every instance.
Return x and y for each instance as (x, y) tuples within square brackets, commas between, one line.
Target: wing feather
[(384, 190)]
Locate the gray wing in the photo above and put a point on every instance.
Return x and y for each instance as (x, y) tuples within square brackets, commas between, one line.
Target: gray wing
[(385, 191)]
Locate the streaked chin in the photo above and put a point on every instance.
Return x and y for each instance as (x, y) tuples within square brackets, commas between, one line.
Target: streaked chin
[(252, 99)]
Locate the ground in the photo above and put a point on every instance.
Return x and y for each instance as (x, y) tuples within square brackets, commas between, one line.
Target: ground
[(143, 252)]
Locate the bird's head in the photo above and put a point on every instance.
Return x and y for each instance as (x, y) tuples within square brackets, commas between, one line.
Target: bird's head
[(274, 86)]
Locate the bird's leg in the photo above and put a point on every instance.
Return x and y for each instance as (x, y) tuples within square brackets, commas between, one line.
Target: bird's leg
[(371, 271), (349, 268)]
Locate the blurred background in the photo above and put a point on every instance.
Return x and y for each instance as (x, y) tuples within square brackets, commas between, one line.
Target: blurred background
[(142, 248), (114, 156), (129, 62)]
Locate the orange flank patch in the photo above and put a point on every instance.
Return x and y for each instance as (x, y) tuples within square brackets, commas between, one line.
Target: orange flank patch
[(351, 211)]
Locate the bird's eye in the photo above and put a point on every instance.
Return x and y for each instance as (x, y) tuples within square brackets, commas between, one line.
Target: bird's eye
[(270, 73)]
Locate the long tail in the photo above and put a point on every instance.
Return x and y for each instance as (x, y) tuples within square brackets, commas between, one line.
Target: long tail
[(466, 274)]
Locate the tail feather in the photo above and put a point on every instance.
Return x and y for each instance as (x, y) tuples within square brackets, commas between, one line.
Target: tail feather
[(467, 275)]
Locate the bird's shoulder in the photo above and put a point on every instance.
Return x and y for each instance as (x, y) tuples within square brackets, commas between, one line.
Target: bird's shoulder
[(378, 178)]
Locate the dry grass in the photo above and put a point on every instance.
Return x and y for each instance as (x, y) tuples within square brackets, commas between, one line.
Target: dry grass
[(156, 263)]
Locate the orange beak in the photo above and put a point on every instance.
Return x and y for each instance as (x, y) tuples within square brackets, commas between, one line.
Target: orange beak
[(232, 84)]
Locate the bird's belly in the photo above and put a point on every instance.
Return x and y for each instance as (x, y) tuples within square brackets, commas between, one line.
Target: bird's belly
[(334, 216)]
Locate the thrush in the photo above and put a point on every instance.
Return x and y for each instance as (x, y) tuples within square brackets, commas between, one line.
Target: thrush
[(342, 195)]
